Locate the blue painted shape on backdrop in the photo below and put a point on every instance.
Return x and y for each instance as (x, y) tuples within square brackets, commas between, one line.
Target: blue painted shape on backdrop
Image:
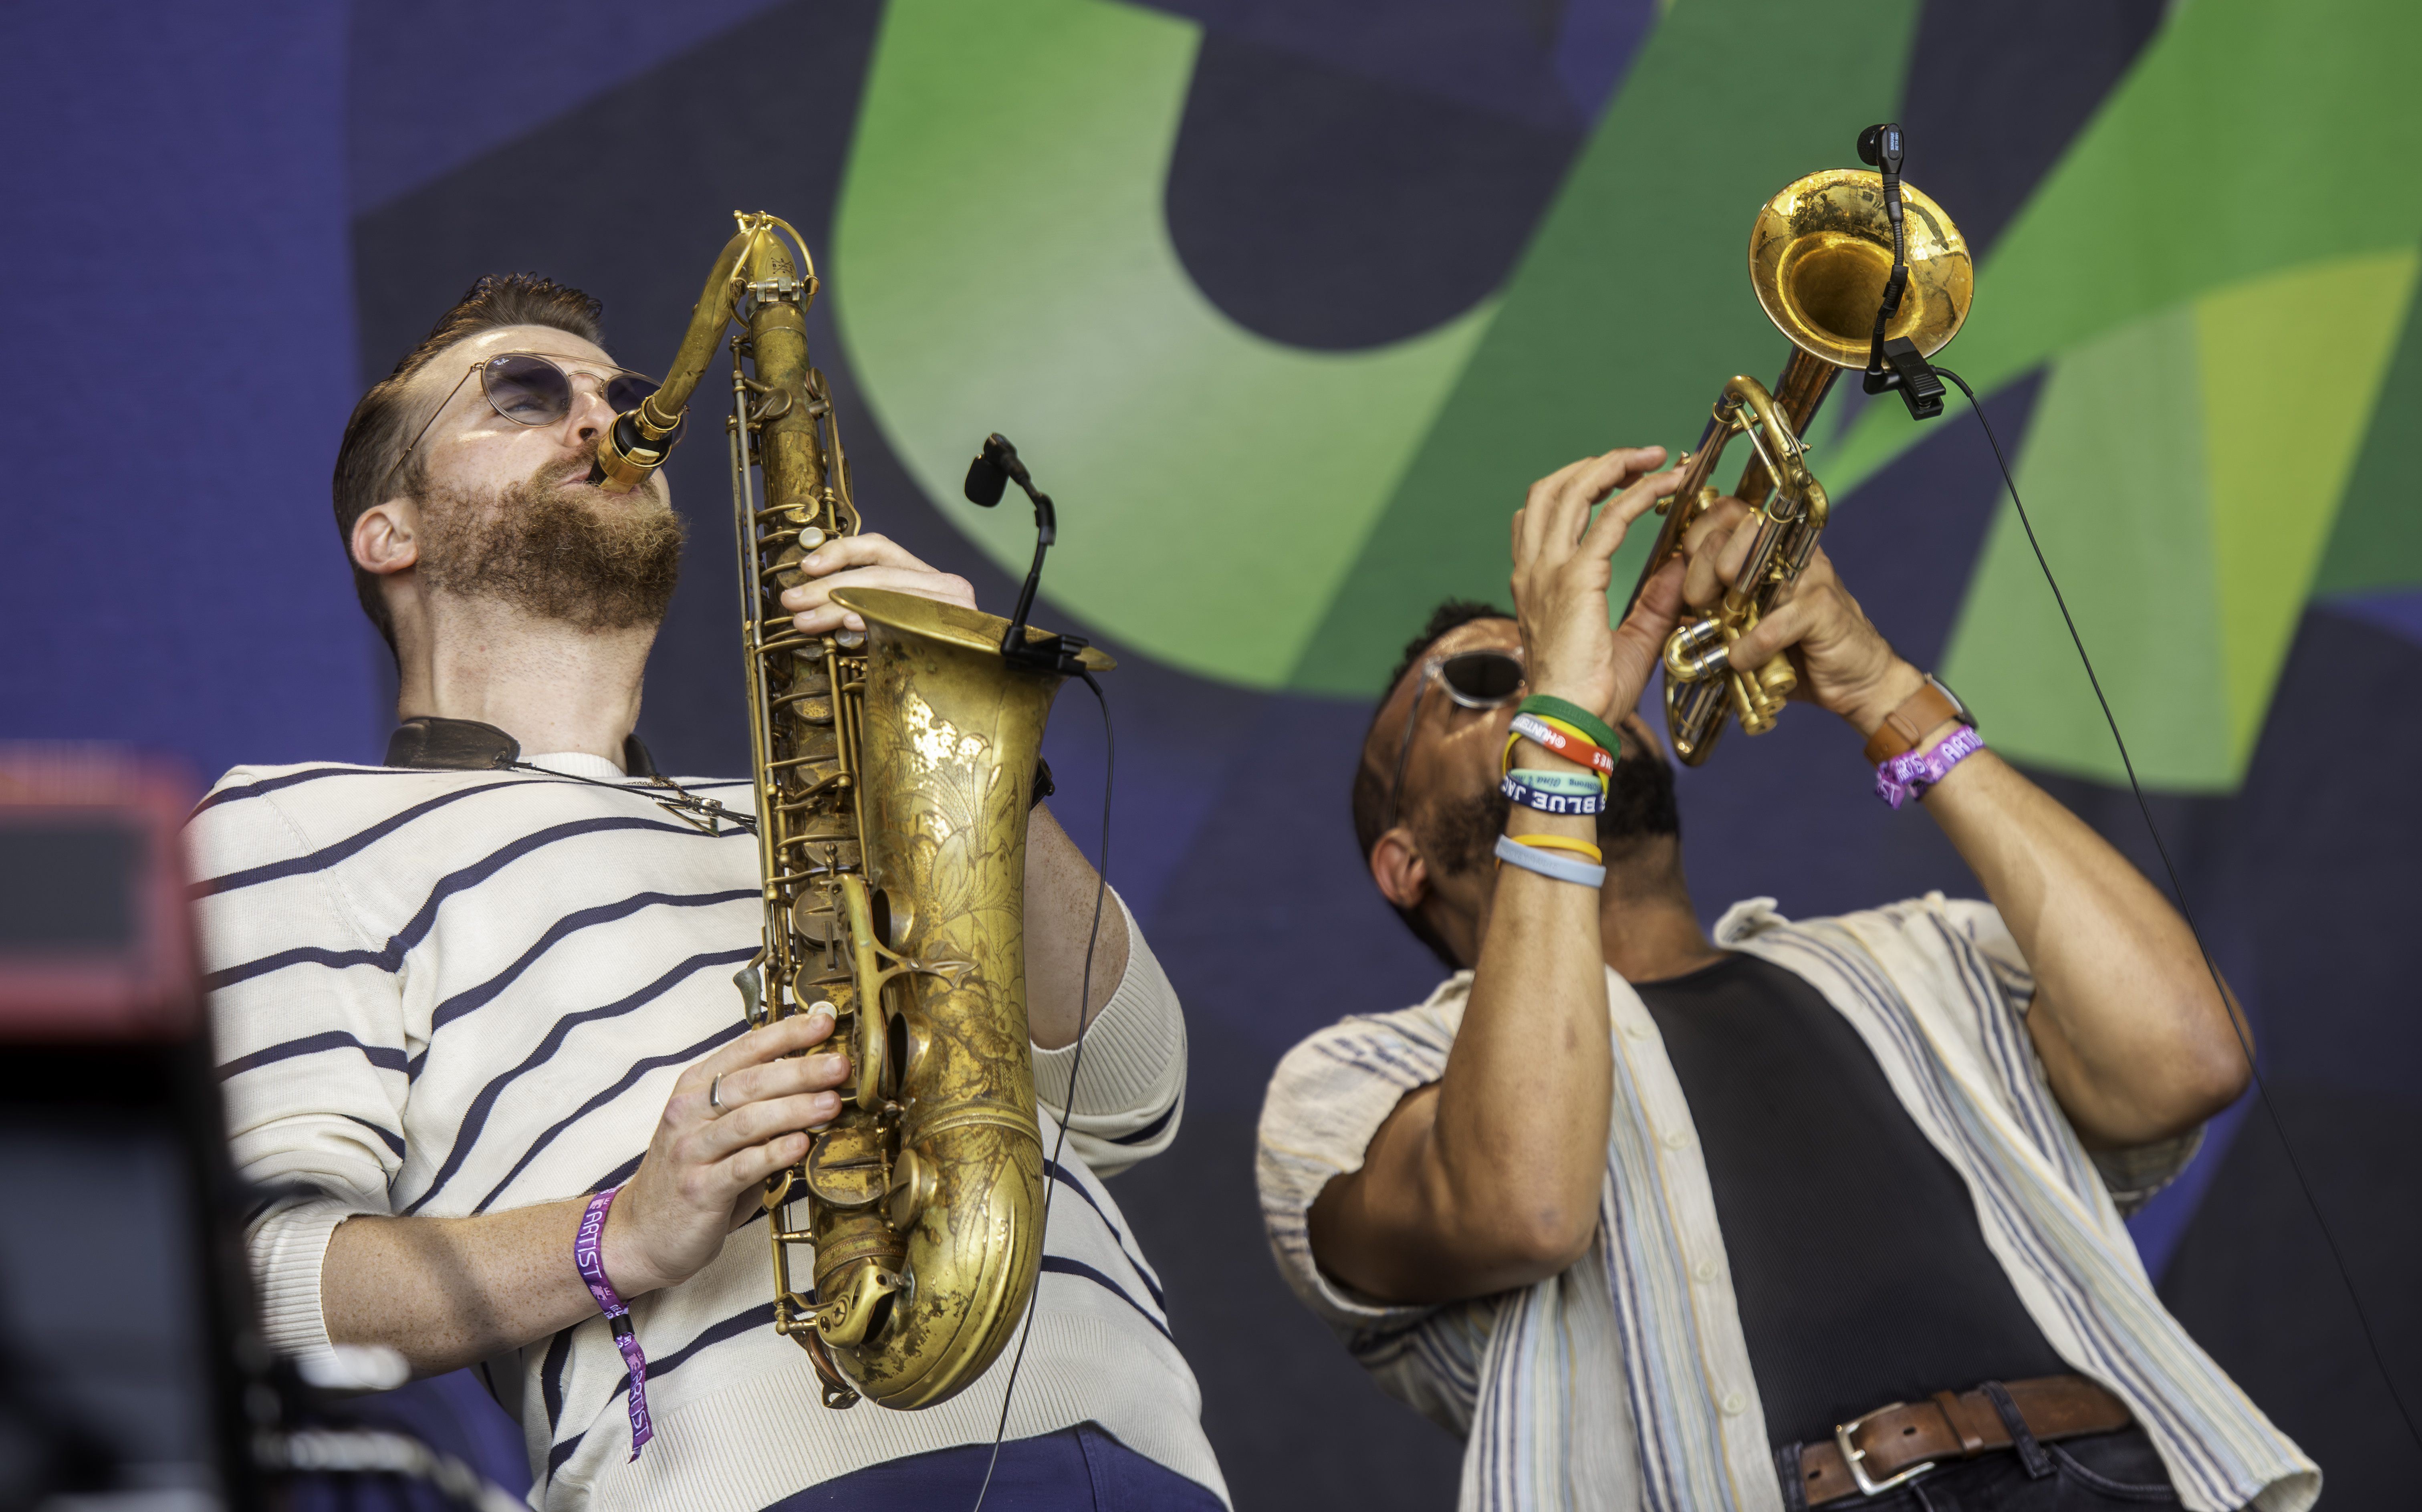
[(1596, 46), (1490, 56), (177, 315), (435, 84), (2398, 612)]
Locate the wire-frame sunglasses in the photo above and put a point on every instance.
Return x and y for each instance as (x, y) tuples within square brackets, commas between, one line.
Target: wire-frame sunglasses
[(1475, 680), (533, 389)]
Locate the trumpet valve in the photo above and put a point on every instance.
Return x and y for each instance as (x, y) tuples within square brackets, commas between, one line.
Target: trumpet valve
[(1697, 651), (1776, 679), (1751, 706)]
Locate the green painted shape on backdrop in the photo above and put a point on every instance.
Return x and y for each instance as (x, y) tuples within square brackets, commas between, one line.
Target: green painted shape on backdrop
[(2252, 136), (2377, 543), (2113, 472), (1630, 307), (1001, 260), (2284, 411), (2183, 473)]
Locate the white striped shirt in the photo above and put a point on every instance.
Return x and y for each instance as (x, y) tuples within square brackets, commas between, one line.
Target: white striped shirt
[(456, 992), (1626, 1381)]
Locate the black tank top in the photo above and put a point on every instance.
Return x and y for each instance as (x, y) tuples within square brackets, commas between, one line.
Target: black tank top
[(1860, 1271)]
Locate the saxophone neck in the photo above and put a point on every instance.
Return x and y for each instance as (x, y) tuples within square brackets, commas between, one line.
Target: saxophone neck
[(755, 261)]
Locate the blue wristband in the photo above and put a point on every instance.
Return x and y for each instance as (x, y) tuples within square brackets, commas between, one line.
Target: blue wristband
[(1549, 864), (1546, 800)]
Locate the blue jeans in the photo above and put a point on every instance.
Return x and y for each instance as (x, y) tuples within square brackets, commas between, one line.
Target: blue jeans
[(1076, 1470), (2097, 1474)]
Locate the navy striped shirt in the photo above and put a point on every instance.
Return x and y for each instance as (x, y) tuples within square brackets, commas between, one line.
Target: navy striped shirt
[(446, 993)]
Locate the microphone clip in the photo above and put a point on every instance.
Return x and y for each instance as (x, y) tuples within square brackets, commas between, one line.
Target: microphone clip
[(1895, 364), (994, 469)]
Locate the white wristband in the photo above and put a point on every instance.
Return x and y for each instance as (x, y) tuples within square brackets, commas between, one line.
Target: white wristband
[(1548, 863)]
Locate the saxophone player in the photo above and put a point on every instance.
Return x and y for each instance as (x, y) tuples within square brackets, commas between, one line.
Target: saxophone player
[(478, 1035), (1654, 1220)]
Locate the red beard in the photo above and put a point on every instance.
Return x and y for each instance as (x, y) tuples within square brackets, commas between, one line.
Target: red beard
[(544, 546)]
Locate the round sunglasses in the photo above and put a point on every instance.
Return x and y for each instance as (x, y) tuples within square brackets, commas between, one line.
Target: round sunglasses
[(531, 389), (1475, 680)]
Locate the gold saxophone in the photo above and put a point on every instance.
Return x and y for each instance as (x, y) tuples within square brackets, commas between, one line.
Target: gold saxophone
[(893, 770), (1818, 257)]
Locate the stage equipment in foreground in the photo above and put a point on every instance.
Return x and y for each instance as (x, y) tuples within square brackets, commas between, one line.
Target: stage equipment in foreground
[(133, 1371), (1823, 260), (893, 768)]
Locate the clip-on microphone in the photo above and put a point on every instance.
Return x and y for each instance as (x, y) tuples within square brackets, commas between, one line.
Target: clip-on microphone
[(1897, 364), (993, 470)]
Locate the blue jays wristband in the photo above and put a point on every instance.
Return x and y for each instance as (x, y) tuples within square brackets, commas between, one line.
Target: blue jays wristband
[(1529, 789)]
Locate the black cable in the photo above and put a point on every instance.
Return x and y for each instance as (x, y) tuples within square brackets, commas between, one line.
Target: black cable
[(1075, 1063), (2243, 1033)]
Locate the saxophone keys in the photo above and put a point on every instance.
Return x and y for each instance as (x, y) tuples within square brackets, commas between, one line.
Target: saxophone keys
[(914, 1184), (850, 1313), (845, 1169)]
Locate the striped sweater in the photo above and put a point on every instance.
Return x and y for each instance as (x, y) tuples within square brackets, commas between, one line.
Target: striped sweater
[(455, 992), (1626, 1381)]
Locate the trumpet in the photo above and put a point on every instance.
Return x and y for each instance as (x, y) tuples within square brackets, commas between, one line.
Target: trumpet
[(1820, 255)]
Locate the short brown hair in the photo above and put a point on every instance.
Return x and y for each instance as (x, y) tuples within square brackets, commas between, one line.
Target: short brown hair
[(374, 437)]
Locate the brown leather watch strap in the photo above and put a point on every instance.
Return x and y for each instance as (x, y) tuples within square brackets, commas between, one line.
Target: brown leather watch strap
[(1906, 726), (1957, 1426)]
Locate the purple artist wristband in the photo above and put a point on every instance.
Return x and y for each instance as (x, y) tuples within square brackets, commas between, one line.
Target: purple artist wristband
[(1911, 773), (587, 1247)]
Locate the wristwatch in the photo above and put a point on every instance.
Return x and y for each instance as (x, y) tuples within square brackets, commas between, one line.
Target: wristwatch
[(1930, 706)]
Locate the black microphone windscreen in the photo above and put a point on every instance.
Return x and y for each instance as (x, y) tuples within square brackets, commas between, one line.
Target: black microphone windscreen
[(985, 480)]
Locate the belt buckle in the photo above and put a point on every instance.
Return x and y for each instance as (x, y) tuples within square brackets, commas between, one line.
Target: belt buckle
[(1855, 1458)]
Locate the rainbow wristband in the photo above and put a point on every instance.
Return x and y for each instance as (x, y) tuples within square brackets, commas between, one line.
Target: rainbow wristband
[(1567, 742), (1548, 707), (1589, 798), (1549, 865)]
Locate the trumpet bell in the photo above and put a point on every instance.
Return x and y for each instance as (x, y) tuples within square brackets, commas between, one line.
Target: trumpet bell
[(1821, 250)]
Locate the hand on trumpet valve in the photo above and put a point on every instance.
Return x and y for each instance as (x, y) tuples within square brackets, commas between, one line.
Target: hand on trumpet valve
[(1843, 663)]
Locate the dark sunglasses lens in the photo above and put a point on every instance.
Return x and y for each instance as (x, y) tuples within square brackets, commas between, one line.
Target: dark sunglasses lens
[(526, 391), (1484, 677)]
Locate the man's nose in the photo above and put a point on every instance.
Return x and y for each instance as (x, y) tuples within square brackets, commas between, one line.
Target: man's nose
[(591, 414)]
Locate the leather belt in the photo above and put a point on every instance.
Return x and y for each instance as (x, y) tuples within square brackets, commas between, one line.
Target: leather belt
[(1899, 1443)]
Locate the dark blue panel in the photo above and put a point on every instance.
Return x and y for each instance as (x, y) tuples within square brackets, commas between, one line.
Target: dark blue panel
[(1326, 208), (1997, 93), (434, 83), (2397, 612), (1552, 63), (176, 311)]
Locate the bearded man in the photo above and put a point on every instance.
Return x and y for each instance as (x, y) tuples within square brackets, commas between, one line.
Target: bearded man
[(462, 995), (1818, 1213)]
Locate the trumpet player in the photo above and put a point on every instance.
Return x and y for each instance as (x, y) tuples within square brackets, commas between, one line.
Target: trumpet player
[(1809, 1213), (478, 1028)]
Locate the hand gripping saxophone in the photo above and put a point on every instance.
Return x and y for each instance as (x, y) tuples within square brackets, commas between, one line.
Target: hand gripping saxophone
[(1818, 257), (892, 771)]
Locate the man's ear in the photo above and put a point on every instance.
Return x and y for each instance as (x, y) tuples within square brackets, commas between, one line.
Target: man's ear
[(387, 538), (1397, 867)]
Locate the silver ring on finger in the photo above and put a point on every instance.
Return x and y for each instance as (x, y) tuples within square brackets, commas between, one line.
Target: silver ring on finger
[(715, 1097)]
